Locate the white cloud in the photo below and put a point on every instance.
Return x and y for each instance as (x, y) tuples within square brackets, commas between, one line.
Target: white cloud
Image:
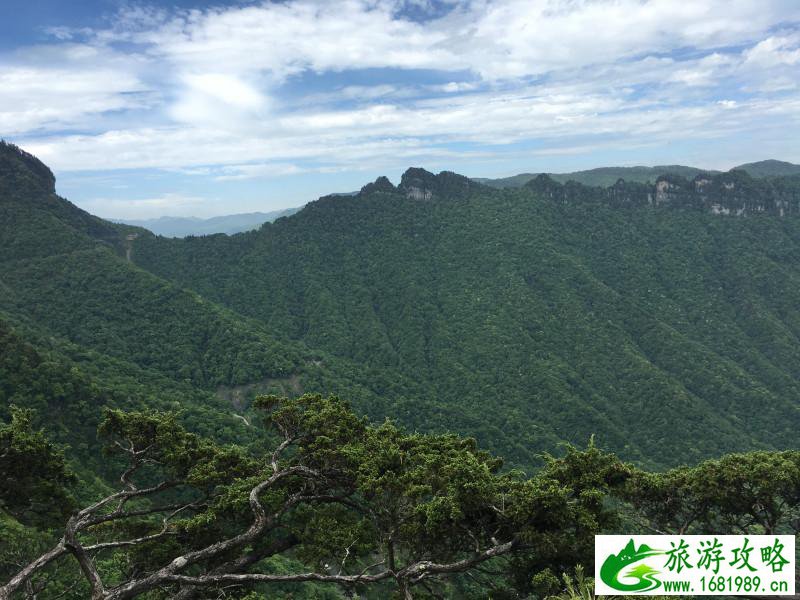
[(205, 98), (135, 208), (453, 87), (251, 171), (370, 133), (32, 99), (206, 89), (496, 39), (775, 51), (226, 89)]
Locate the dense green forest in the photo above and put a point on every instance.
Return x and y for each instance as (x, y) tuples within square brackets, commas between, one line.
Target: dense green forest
[(68, 291), (549, 312), (336, 507), (645, 314), (658, 319)]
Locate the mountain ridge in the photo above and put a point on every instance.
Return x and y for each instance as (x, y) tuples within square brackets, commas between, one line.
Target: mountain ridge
[(606, 176), (770, 168), (525, 317), (69, 287), (731, 193), (461, 290)]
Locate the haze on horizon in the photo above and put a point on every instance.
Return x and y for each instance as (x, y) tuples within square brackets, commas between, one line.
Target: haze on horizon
[(204, 108)]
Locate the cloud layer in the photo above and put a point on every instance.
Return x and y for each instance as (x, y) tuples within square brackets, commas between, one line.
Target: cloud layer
[(259, 90)]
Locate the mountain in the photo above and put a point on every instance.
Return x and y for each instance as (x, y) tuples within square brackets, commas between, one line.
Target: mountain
[(178, 227), (770, 168), (607, 176), (603, 176), (654, 316), (83, 328), (732, 193), (646, 314), (87, 318), (37, 223)]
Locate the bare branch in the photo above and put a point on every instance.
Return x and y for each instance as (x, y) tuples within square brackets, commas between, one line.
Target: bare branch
[(128, 543), (413, 573), (118, 515), (16, 582), (372, 566), (261, 523), (84, 561), (242, 563), (346, 556), (422, 569)]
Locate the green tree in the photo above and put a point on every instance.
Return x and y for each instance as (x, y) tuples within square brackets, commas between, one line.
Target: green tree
[(360, 506), (755, 492), (34, 476)]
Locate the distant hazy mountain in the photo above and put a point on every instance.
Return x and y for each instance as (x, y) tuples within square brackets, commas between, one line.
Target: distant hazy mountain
[(770, 168), (606, 176), (178, 227)]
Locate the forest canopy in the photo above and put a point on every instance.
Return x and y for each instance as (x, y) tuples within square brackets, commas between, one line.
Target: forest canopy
[(329, 504)]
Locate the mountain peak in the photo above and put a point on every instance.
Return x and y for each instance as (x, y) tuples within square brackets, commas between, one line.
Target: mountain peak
[(381, 184), (24, 169), (419, 184), (544, 185), (770, 168)]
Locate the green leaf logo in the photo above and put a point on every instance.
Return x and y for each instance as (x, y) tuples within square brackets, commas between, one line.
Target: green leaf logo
[(614, 567)]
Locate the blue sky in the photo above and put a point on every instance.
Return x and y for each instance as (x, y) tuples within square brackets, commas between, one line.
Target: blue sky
[(202, 108)]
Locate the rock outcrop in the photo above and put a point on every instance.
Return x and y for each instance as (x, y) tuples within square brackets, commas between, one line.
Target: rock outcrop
[(734, 193)]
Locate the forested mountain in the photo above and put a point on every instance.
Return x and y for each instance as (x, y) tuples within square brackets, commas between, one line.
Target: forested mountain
[(770, 168), (228, 224), (606, 176), (71, 294), (37, 223), (640, 313), (645, 314), (661, 318)]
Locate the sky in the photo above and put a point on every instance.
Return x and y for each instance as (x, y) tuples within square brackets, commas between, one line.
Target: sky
[(195, 107)]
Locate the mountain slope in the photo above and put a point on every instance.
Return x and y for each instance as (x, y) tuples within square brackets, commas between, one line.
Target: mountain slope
[(63, 269), (68, 386), (543, 313), (69, 290), (770, 168), (35, 222), (641, 313)]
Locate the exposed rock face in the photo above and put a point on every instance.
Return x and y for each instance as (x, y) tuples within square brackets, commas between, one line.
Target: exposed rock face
[(662, 190), (419, 184), (700, 183), (734, 193), (416, 193)]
